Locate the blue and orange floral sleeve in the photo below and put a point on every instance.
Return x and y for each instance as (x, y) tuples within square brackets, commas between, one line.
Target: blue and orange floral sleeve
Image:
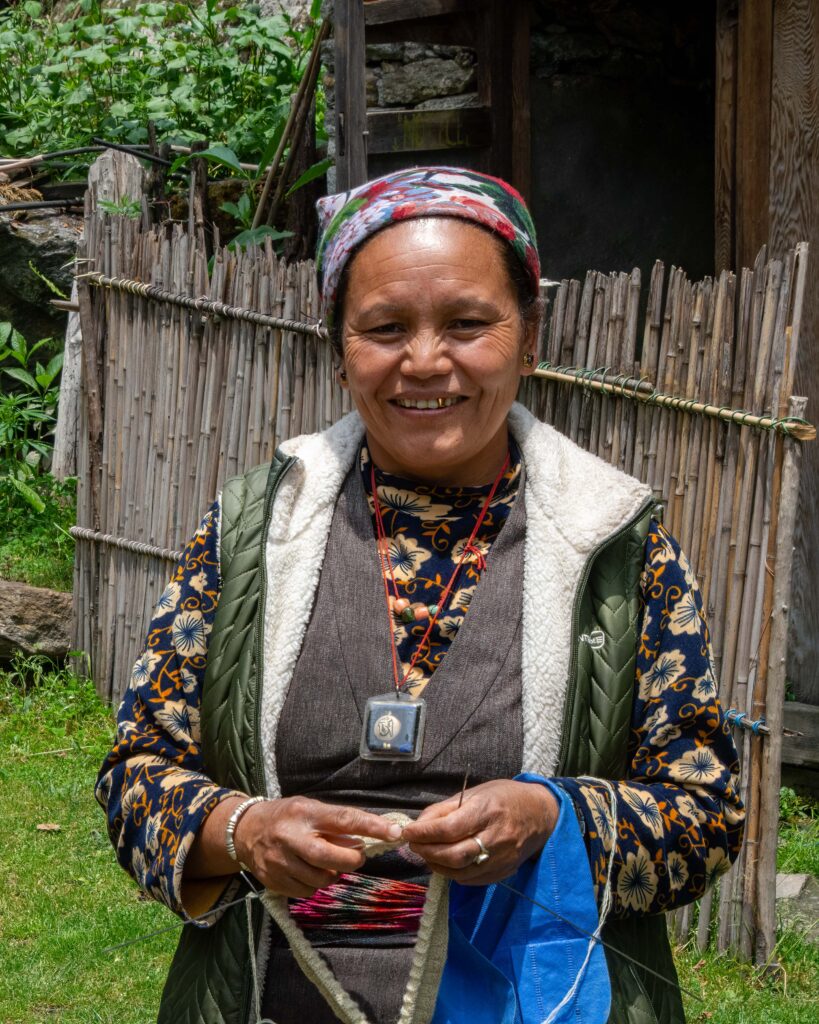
[(151, 784), (675, 824)]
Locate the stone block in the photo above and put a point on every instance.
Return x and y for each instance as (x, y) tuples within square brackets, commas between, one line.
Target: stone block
[(408, 84), (466, 99), (797, 904), (34, 620)]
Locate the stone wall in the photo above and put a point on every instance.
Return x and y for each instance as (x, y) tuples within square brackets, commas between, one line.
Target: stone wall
[(406, 76)]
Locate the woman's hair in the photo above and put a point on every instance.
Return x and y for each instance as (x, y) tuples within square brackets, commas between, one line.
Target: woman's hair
[(530, 304)]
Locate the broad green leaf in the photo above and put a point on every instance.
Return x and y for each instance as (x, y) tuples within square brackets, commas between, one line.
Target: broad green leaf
[(30, 495), (310, 174), (255, 236), (18, 373), (222, 155)]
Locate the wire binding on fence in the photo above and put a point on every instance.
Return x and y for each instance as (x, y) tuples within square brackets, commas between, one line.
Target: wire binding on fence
[(83, 533), (642, 390), (743, 719), (202, 304)]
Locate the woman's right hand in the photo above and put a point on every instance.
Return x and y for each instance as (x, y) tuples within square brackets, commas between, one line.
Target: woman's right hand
[(297, 845)]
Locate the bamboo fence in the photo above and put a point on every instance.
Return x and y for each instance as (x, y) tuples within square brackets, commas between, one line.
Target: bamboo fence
[(191, 377)]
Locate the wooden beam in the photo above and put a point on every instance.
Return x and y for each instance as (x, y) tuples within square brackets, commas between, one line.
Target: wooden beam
[(794, 217), (503, 86), (382, 12), (725, 130), (753, 127), (351, 94), (402, 131), (800, 742)]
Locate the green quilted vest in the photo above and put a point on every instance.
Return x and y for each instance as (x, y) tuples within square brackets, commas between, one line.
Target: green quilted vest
[(209, 981)]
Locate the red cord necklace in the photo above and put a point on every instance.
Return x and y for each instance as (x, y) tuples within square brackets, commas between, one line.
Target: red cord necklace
[(388, 576)]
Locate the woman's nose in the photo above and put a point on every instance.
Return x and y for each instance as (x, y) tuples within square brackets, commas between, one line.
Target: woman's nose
[(426, 356)]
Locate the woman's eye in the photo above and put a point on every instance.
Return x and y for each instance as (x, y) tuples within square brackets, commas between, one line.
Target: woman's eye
[(383, 329), (467, 325)]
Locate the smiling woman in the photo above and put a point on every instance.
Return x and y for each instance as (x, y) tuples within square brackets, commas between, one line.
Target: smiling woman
[(531, 622), (434, 348)]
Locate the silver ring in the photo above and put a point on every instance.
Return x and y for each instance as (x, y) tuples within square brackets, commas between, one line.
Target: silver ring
[(483, 854)]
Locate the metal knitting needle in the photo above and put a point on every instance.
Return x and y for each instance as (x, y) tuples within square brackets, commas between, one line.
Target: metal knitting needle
[(605, 945), (463, 787), (179, 924)]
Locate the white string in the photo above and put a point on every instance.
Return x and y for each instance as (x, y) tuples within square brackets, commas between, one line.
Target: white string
[(257, 996), (605, 907)]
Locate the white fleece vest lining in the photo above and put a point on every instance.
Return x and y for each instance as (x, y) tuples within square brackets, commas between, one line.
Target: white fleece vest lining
[(574, 502)]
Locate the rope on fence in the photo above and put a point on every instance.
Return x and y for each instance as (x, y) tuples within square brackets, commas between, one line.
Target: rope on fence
[(599, 380), (202, 304), (83, 533), (643, 391)]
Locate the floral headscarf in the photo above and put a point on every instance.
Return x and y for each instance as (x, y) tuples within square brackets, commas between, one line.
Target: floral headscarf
[(346, 219)]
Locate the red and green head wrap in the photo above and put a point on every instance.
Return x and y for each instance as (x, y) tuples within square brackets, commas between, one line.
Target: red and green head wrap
[(347, 219)]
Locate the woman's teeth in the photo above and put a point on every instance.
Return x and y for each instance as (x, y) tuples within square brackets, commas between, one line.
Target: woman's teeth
[(427, 403)]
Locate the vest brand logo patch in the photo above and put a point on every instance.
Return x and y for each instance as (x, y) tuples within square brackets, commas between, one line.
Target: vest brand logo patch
[(596, 639)]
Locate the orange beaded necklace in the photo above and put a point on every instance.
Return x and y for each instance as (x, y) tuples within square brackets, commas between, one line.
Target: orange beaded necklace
[(400, 606)]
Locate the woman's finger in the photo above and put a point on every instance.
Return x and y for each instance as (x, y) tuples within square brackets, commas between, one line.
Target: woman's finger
[(350, 821), (458, 824), (330, 855), (451, 856)]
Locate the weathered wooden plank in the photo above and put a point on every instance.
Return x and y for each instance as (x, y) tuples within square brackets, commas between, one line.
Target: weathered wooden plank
[(794, 212), (753, 127), (382, 12), (800, 740), (725, 126), (351, 95), (402, 131)]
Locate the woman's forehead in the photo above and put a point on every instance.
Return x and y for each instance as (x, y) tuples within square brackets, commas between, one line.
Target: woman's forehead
[(442, 241)]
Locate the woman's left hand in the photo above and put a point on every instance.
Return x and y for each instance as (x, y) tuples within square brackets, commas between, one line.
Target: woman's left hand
[(513, 820)]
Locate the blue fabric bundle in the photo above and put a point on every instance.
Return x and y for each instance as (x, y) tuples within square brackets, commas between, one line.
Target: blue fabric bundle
[(511, 962)]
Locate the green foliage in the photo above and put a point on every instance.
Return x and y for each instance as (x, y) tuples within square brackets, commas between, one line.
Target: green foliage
[(28, 414), (126, 207), (798, 847), (35, 546), (197, 69), (36, 510)]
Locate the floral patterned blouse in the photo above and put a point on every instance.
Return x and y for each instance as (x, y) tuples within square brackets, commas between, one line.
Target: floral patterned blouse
[(675, 823)]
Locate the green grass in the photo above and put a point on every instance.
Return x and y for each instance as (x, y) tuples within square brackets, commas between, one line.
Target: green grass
[(798, 846), (65, 899), (738, 993), (35, 547)]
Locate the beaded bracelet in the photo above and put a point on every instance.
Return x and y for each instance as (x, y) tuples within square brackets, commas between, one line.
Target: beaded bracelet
[(233, 821)]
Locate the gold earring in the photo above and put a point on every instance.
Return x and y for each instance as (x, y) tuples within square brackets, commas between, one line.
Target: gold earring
[(342, 375), (528, 360)]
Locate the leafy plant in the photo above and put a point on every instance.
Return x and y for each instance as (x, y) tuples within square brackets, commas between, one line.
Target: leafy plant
[(126, 207), (28, 414), (206, 69), (35, 545)]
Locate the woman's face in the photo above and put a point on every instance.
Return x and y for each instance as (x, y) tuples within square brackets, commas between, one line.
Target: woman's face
[(433, 349)]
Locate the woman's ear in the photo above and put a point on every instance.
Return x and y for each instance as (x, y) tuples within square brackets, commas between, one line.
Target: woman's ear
[(341, 376)]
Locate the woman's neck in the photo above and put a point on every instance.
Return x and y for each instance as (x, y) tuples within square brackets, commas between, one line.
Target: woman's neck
[(478, 471)]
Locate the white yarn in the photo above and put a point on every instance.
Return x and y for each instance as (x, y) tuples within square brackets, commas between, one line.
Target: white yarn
[(427, 961), (257, 995), (605, 907)]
